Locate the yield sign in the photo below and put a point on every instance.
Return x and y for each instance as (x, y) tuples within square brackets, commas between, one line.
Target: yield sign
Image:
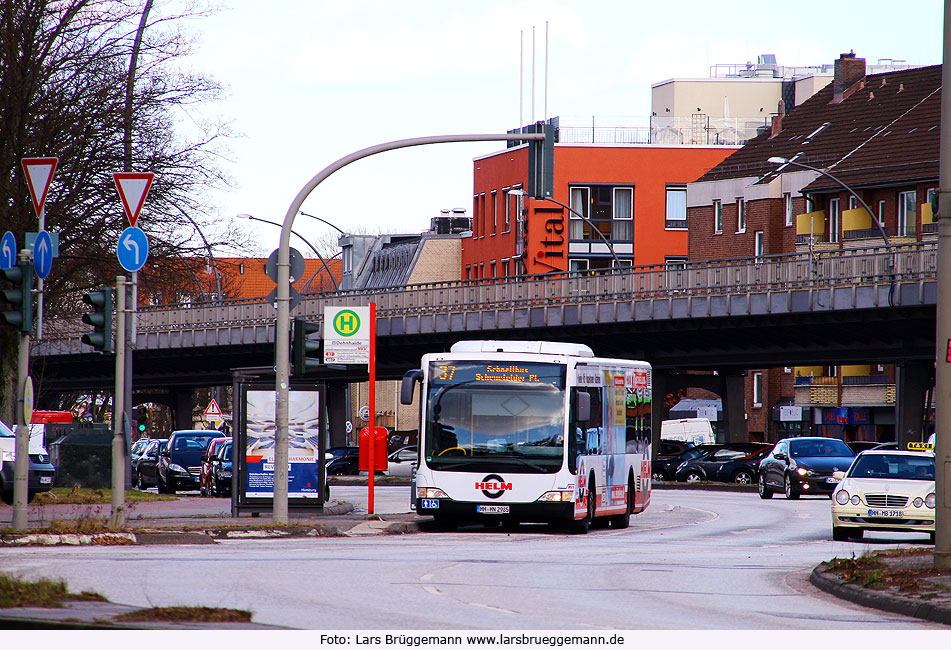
[(133, 188), (39, 174), (212, 411)]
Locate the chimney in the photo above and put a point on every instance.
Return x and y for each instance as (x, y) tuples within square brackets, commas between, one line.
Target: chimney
[(777, 126), (849, 73)]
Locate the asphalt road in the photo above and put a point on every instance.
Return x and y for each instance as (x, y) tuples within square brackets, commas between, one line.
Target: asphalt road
[(694, 560)]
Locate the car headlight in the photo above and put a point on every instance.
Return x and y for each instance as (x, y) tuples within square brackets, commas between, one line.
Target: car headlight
[(177, 468), (804, 471), (430, 493), (918, 502), (855, 499), (929, 500), (557, 495), (841, 497)]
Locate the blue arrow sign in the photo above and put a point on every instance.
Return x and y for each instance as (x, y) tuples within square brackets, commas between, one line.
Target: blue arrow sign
[(132, 249), (8, 251), (43, 254)]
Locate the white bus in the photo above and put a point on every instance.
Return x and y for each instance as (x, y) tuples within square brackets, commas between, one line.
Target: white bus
[(533, 431)]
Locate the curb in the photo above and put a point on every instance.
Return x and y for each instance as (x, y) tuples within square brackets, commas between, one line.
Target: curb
[(887, 602)]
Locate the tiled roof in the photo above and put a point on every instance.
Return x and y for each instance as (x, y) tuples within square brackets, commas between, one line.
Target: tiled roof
[(885, 132), (251, 281)]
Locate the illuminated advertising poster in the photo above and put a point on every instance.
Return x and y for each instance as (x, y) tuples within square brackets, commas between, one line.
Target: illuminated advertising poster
[(303, 433)]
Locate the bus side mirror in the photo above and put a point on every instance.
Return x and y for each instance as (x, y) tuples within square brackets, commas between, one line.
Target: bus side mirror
[(582, 406), (409, 385)]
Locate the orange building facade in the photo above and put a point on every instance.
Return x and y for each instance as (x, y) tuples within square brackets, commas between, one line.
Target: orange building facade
[(631, 196)]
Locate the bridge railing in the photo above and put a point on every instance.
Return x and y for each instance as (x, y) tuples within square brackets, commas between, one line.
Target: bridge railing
[(824, 270)]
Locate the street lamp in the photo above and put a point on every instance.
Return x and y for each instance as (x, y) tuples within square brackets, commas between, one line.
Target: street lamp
[(617, 261), (323, 220), (778, 160), (316, 252)]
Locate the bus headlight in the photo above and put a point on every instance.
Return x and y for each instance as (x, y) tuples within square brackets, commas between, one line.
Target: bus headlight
[(557, 495), (430, 493), (841, 497)]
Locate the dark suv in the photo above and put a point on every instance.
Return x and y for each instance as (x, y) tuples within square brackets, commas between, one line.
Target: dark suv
[(179, 463)]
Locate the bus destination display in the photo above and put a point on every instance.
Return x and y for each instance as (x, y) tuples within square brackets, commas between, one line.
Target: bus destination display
[(496, 372)]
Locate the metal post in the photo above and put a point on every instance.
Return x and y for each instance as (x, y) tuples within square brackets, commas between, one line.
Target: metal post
[(118, 410), (21, 464), (942, 549)]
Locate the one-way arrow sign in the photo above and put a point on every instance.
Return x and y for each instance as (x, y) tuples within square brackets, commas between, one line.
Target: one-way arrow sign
[(133, 188)]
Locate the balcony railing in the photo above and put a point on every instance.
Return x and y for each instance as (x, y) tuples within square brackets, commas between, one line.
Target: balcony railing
[(690, 130)]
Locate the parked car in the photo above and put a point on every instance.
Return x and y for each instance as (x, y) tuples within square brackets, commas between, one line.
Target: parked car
[(885, 490), (146, 469), (220, 472), (204, 475), (670, 448), (179, 463), (396, 441), (343, 461), (40, 472), (663, 468), (402, 462), (135, 457), (709, 466), (742, 470), (858, 446), (803, 466)]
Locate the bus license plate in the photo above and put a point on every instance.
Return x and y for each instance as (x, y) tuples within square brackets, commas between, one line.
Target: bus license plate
[(428, 503), (884, 513), (492, 510)]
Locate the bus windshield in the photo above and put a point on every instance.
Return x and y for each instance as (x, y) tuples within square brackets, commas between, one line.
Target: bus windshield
[(495, 416)]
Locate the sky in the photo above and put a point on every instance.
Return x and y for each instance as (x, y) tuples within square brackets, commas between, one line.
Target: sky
[(309, 82)]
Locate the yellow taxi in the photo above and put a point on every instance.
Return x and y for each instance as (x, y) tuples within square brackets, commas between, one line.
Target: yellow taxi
[(887, 489)]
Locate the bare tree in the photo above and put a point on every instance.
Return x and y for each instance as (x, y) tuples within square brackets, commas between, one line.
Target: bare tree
[(64, 67)]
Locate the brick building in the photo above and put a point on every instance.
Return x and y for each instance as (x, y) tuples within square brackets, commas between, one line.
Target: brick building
[(877, 134)]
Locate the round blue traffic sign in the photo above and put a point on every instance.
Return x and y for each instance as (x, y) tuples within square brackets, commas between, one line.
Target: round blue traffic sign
[(132, 249), (8, 251), (43, 254)]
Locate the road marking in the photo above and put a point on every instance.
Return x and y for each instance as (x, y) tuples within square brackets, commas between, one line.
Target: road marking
[(495, 609), (428, 576), (433, 590)]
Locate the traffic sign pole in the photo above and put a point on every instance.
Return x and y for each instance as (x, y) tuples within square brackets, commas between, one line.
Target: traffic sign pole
[(21, 463), (117, 520)]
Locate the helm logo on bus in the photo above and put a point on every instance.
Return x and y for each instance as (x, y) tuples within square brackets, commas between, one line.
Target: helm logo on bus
[(493, 486)]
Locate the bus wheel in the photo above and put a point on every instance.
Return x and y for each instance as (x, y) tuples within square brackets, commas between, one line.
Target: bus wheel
[(623, 521), (581, 526)]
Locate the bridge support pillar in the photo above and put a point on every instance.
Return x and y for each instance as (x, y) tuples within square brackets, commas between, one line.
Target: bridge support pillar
[(659, 384), (734, 406), (182, 409), (912, 382), (338, 408)]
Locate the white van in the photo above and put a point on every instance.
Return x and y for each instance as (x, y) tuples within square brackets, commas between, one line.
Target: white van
[(695, 430)]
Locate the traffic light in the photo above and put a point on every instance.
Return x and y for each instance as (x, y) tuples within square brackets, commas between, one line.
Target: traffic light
[(303, 348), (140, 415), (541, 161), (20, 296), (100, 318)]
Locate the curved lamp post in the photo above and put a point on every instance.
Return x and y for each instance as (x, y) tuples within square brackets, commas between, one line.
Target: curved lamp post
[(322, 220), (778, 160), (316, 252), (617, 261)]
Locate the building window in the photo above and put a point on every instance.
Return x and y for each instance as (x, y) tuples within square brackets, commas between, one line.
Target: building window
[(482, 215), (507, 199), (475, 216), (717, 216), (578, 265), (881, 213), (495, 211), (676, 207), (492, 269), (740, 215), (907, 213), (468, 271), (834, 220), (757, 389), (579, 203), (853, 203), (787, 205), (622, 228), (759, 243), (241, 269)]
